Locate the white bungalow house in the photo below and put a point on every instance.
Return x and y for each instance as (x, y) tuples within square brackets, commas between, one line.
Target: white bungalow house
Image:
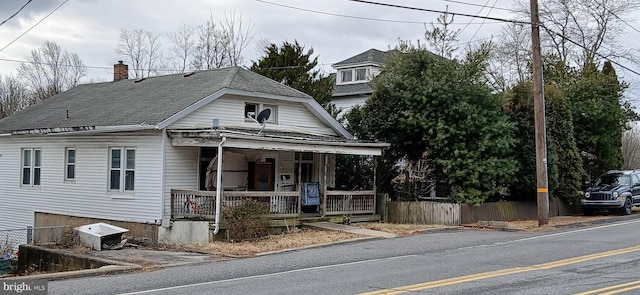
[(353, 76), (140, 151)]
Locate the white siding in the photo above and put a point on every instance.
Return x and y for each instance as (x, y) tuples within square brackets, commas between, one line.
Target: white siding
[(229, 110), (181, 171), (346, 104), (87, 196)]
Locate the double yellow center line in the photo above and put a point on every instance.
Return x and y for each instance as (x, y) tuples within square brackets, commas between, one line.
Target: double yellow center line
[(614, 289), (503, 272)]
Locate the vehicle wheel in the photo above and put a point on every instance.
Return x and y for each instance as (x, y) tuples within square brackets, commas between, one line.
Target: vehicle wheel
[(587, 212), (626, 209)]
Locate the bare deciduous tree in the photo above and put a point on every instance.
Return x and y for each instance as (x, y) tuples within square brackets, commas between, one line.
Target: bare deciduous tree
[(583, 31), (141, 49), (13, 96), (209, 50), (48, 71), (183, 45), (510, 58), (221, 43), (238, 36)]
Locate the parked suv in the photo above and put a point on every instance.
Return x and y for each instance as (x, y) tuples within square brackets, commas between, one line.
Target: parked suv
[(614, 190)]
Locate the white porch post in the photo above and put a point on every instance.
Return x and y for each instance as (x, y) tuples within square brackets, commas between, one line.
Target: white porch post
[(323, 203), (299, 183)]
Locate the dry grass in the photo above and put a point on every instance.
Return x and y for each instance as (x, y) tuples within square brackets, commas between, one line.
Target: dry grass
[(303, 238), (308, 237), (290, 240)]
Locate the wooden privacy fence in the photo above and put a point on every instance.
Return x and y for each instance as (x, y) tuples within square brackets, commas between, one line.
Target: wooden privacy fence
[(426, 212), (423, 213)]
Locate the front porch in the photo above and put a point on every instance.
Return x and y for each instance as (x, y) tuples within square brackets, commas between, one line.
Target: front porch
[(189, 204)]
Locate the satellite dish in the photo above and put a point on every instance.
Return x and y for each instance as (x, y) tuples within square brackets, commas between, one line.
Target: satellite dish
[(263, 116), (261, 119)]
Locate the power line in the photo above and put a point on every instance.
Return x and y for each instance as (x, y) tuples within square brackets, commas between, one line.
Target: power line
[(503, 20), (478, 29), (27, 31), (348, 16), (49, 64), (593, 52), (616, 16), (342, 15), (441, 12), (479, 11), (16, 13), (480, 5), (156, 70), (490, 9)]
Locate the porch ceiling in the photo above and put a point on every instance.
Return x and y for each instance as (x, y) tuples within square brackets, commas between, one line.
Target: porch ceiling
[(297, 142)]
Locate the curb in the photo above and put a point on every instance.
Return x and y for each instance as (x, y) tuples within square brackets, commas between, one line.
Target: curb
[(489, 225)]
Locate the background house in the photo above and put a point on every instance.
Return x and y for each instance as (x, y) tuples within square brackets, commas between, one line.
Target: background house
[(136, 152), (353, 76)]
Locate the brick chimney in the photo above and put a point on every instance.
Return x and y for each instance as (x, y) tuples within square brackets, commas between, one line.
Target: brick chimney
[(120, 71)]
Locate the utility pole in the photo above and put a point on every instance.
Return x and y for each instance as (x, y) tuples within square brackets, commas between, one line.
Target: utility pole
[(538, 108)]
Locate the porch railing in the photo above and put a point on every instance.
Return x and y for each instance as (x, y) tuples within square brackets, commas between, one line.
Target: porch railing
[(202, 204), (350, 202), (187, 204)]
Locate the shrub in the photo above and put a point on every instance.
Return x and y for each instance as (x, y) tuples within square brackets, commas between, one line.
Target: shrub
[(247, 221)]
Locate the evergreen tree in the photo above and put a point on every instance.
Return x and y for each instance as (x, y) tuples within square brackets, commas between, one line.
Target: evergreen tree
[(564, 169), (599, 118), (443, 109), (291, 65)]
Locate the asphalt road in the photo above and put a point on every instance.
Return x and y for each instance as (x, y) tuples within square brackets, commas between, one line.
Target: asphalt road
[(448, 262)]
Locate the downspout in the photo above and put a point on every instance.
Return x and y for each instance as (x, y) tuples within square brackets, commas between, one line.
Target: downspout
[(216, 225)]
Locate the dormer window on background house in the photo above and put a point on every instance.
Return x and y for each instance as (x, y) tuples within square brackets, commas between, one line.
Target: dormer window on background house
[(354, 75), (346, 75)]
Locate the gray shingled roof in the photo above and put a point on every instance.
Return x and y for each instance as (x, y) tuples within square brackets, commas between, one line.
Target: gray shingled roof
[(147, 102), (371, 55), (352, 89)]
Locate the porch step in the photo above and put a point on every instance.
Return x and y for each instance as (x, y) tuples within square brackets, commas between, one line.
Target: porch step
[(351, 229)]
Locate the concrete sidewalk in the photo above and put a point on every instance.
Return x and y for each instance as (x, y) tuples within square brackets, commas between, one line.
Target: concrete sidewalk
[(349, 229)]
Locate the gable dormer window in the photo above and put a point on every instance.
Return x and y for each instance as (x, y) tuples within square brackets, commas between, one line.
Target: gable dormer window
[(361, 74), (346, 75), (354, 75)]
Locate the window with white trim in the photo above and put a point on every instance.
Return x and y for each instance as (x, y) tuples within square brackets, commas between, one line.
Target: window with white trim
[(354, 75), (31, 166), (122, 169), (70, 164), (361, 74), (251, 110), (346, 75)]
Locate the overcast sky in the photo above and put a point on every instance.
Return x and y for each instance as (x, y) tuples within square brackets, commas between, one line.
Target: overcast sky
[(336, 29)]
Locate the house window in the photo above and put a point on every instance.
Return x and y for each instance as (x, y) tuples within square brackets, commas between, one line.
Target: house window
[(122, 169), (31, 165), (70, 164), (251, 110), (346, 76), (361, 74), (274, 112), (303, 168)]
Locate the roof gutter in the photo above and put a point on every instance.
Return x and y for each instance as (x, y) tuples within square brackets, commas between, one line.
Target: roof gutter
[(82, 130)]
